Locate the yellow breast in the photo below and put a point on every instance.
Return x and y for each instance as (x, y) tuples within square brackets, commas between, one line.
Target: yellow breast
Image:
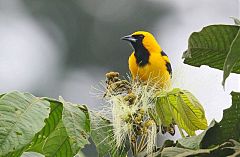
[(155, 72)]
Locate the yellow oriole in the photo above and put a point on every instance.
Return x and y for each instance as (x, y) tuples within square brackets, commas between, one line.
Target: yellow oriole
[(148, 62)]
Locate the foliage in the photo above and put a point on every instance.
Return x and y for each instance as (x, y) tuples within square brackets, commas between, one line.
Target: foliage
[(22, 116), (217, 133), (102, 136), (42, 125), (33, 126), (223, 150), (216, 46), (182, 107), (220, 139)]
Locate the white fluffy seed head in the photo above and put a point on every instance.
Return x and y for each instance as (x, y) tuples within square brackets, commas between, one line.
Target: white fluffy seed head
[(122, 111)]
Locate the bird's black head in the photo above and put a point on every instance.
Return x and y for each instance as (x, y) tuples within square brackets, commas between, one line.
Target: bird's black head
[(144, 44), (140, 52), (136, 40), (144, 39)]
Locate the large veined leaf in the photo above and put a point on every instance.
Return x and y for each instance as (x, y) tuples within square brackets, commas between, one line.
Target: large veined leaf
[(218, 133), (58, 144), (185, 110), (210, 46), (163, 110), (102, 136), (216, 46), (77, 123), (17, 153), (192, 109), (21, 116), (52, 122), (41, 137), (56, 139), (232, 58), (227, 148)]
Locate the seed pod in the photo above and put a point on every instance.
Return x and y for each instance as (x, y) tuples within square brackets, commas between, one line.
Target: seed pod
[(127, 119), (111, 75), (149, 123), (141, 111), (131, 97), (115, 79), (138, 119)]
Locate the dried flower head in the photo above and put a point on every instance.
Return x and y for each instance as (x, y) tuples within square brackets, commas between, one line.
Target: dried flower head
[(130, 102)]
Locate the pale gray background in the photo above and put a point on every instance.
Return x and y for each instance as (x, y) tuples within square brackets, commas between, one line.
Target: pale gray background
[(64, 47)]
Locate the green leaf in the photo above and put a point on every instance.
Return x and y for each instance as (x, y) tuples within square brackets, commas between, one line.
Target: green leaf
[(102, 136), (52, 121), (217, 133), (186, 111), (210, 46), (163, 110), (58, 144), (227, 128), (223, 150), (193, 110), (56, 139), (52, 140), (182, 152), (17, 153), (232, 58), (21, 117), (77, 123), (154, 116), (193, 142)]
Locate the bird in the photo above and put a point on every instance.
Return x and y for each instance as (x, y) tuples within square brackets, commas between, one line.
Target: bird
[(148, 62)]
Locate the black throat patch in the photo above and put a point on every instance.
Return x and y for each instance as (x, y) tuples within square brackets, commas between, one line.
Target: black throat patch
[(141, 53)]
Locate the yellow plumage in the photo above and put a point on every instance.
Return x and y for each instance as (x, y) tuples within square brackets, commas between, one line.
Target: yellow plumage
[(148, 62)]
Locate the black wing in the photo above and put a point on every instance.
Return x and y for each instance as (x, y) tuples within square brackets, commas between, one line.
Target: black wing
[(168, 65)]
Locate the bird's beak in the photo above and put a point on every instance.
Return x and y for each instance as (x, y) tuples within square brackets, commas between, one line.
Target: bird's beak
[(129, 38)]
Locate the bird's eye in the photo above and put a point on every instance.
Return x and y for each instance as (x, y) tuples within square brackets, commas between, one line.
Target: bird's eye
[(140, 36)]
